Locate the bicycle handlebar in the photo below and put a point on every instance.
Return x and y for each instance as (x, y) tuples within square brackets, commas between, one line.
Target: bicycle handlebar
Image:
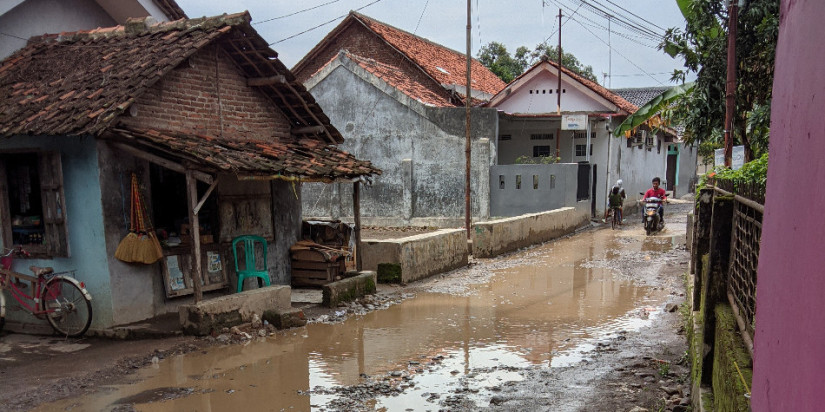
[(18, 251)]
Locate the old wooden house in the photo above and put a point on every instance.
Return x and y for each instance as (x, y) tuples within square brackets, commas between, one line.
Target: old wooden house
[(217, 129)]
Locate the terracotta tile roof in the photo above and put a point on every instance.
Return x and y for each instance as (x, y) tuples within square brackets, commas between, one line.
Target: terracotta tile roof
[(79, 83), (598, 89), (395, 77), (306, 158), (445, 65)]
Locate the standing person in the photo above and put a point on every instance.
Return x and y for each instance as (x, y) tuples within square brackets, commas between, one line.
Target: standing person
[(658, 192), (616, 189)]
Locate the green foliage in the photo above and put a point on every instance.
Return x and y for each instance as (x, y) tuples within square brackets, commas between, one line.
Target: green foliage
[(755, 171), (544, 160), (507, 67), (702, 46)]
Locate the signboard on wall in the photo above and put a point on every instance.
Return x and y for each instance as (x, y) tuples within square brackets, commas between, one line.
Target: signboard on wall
[(574, 122), (719, 157), (737, 158)]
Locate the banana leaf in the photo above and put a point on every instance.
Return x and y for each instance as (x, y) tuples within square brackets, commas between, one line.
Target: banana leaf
[(652, 108)]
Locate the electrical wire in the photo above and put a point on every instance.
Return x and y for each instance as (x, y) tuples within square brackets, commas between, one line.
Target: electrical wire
[(297, 12), (622, 55), (322, 24)]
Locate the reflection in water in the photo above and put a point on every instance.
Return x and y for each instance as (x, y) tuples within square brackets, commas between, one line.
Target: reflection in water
[(545, 310)]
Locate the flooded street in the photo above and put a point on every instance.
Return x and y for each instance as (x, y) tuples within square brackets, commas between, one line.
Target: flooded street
[(474, 338)]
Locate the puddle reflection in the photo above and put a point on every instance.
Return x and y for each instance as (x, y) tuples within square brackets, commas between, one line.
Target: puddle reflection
[(544, 311)]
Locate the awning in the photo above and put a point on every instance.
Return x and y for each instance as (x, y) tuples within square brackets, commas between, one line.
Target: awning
[(307, 160)]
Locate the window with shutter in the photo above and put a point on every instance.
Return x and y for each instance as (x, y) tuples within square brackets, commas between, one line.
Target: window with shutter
[(31, 195)]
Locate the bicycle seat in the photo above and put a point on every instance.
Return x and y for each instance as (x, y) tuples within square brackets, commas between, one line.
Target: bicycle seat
[(38, 271)]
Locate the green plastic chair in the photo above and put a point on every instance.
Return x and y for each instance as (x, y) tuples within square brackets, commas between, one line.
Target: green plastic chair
[(250, 261)]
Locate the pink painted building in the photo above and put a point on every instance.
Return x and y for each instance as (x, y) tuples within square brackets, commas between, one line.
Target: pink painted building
[(789, 363)]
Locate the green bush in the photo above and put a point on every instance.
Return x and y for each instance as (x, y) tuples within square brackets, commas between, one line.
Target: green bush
[(755, 171)]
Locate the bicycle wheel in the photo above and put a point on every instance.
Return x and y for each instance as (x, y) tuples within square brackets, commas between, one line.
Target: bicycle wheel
[(67, 309), (2, 311), (615, 219)]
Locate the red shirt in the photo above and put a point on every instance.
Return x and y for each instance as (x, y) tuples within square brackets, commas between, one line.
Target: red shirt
[(660, 193)]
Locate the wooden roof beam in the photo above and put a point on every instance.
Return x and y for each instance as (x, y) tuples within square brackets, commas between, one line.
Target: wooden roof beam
[(266, 81)]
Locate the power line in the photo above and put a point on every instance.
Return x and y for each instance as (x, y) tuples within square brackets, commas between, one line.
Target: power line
[(322, 24), (622, 55), (635, 15), (297, 12), (597, 25), (13, 36)]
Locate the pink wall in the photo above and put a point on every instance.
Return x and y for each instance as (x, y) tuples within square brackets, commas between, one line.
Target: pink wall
[(789, 364)]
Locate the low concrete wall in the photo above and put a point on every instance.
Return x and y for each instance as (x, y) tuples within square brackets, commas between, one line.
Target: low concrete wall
[(504, 235), (349, 289), (231, 310), (417, 257)]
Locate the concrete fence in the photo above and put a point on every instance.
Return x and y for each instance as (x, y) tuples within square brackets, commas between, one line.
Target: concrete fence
[(505, 235), (416, 257)]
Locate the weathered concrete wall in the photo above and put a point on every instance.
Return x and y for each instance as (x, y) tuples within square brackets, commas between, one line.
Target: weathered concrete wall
[(349, 289), (504, 235), (688, 167), (418, 256), (790, 337), (230, 310), (24, 19), (84, 213), (419, 148), (542, 188)]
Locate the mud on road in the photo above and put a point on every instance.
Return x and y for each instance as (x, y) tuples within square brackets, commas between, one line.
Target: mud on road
[(620, 369)]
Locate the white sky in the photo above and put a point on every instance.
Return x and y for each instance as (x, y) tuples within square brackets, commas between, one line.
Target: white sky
[(513, 23)]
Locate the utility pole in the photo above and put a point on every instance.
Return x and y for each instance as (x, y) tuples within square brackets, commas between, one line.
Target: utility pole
[(730, 86), (467, 145), (558, 91), (609, 52)]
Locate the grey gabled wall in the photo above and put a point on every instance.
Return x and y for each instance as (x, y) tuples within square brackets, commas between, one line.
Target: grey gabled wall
[(420, 150)]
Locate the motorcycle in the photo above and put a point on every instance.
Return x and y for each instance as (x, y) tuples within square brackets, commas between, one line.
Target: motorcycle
[(652, 221)]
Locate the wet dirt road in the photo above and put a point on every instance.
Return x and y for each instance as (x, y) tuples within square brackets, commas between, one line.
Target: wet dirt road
[(535, 330)]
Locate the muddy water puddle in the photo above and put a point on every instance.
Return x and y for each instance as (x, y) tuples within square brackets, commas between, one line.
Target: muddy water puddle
[(549, 308)]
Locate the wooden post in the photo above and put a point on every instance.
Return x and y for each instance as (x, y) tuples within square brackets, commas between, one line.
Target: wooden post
[(194, 230), (356, 211)]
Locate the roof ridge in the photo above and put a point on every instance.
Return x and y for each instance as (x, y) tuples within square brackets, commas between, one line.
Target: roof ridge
[(144, 25), (359, 15)]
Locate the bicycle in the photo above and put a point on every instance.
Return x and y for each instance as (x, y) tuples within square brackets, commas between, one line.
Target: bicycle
[(57, 296), (615, 215)]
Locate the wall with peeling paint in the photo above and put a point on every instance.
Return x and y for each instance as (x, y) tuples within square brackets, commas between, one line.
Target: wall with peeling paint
[(419, 148)]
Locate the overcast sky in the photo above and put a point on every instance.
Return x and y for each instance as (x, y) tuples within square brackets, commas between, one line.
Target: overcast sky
[(635, 60)]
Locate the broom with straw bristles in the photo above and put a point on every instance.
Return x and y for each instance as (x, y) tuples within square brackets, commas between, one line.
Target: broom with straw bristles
[(156, 252), (148, 247), (126, 249)]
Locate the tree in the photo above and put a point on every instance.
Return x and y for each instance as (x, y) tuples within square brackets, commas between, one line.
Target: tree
[(495, 57), (702, 45)]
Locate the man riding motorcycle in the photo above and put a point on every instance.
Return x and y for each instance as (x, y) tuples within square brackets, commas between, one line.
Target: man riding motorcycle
[(657, 192)]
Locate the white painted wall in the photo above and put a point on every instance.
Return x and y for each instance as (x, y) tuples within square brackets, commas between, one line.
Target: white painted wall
[(538, 95)]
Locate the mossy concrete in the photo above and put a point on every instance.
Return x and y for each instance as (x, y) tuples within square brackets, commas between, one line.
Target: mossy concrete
[(389, 272), (730, 359), (412, 258), (349, 289)]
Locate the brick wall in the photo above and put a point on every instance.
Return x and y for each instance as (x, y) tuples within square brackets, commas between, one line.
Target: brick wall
[(187, 100), (358, 40)]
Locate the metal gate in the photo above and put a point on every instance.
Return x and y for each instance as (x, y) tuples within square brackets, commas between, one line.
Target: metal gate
[(583, 191)]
